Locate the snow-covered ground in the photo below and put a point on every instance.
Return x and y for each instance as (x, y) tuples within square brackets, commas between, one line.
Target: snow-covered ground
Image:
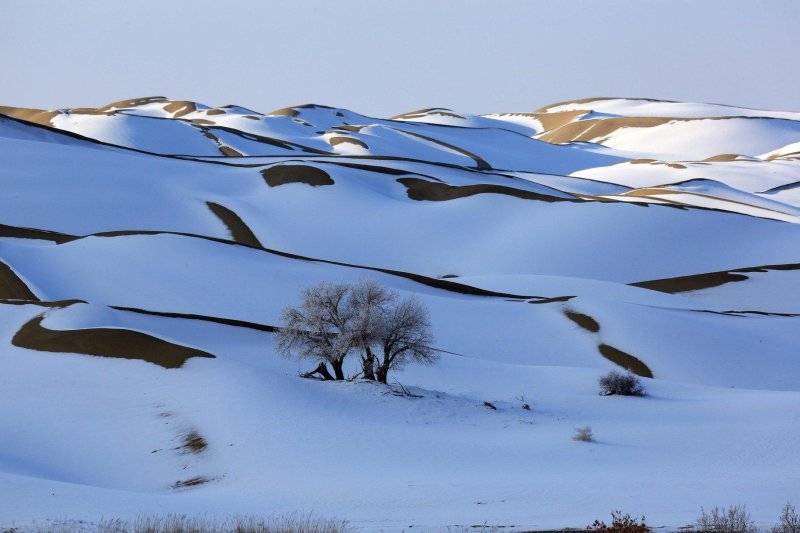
[(150, 228)]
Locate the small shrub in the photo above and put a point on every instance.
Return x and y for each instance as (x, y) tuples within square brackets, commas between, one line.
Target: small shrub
[(583, 434), (734, 519), (525, 405), (623, 384), (788, 521), (621, 524)]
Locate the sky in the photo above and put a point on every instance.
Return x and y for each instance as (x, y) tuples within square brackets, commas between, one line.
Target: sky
[(383, 58)]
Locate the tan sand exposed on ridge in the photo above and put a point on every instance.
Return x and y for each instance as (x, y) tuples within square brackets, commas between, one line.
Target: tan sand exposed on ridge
[(707, 280), (104, 342), (597, 130), (282, 174), (179, 108), (625, 360), (585, 321), (721, 158), (335, 141), (12, 287), (240, 232), (133, 102), (37, 116), (420, 189)]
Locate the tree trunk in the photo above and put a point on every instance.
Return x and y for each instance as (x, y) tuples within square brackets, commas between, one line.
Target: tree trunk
[(368, 363), (382, 374), (322, 370), (337, 369)]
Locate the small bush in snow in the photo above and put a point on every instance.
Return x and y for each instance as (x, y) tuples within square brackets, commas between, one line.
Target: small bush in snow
[(621, 524), (583, 434), (623, 384), (734, 519), (788, 521)]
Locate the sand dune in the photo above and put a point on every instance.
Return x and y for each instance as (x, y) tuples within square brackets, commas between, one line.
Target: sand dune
[(174, 233)]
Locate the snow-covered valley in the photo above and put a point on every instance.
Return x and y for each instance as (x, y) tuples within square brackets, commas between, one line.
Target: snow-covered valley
[(148, 247)]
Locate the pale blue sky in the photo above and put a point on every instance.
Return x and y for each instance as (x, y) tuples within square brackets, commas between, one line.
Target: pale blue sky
[(383, 58)]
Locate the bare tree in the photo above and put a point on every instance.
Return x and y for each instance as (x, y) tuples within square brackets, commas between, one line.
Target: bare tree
[(323, 327), (334, 320), (404, 335), (371, 303)]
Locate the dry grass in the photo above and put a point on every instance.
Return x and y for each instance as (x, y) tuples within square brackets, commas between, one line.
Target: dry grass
[(180, 523)]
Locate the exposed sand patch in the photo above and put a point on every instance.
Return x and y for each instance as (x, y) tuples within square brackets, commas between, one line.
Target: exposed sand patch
[(105, 342), (690, 283), (179, 108), (335, 141), (600, 129), (350, 127), (550, 121), (39, 234), (90, 111), (721, 158), (54, 304), (229, 152), (625, 360), (37, 116), (707, 280), (135, 102), (240, 232), (284, 112), (12, 287), (224, 150), (585, 321), (282, 174), (216, 111), (553, 300), (193, 443), (419, 189)]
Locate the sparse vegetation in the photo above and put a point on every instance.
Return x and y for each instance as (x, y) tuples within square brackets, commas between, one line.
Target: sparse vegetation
[(583, 434), (525, 405), (180, 523), (734, 519), (621, 524), (335, 320), (621, 384)]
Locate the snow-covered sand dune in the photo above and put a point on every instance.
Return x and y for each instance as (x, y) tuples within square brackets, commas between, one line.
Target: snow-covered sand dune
[(147, 248)]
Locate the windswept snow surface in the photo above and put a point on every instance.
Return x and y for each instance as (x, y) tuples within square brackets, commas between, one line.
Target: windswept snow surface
[(540, 242)]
